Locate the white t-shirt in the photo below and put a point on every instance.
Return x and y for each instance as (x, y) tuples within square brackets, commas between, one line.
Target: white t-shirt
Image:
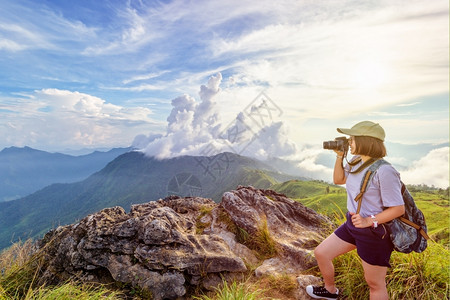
[(384, 190)]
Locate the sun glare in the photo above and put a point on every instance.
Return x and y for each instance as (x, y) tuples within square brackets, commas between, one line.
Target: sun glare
[(370, 75)]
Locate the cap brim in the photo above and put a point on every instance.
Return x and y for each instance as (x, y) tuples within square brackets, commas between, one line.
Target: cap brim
[(346, 131)]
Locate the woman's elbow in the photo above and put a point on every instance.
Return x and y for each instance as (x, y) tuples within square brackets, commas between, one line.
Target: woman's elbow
[(400, 210), (339, 181)]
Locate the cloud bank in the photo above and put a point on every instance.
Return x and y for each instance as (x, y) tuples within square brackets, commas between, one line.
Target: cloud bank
[(56, 120), (433, 169)]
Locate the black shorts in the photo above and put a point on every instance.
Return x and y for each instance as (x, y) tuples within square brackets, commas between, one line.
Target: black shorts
[(373, 245)]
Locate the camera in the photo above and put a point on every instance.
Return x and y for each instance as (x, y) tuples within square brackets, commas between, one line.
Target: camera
[(339, 143)]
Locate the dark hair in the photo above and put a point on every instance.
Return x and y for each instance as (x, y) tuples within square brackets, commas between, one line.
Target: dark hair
[(370, 146)]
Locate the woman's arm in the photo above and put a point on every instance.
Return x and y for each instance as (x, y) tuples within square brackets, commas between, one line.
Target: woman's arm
[(338, 173), (383, 217)]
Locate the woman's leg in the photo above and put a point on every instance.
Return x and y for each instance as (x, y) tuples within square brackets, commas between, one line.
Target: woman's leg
[(376, 279), (330, 248)]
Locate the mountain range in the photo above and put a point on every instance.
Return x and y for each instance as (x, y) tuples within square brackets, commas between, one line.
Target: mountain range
[(62, 189), (26, 170), (129, 179)]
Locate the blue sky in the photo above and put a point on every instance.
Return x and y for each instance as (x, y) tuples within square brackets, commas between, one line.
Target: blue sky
[(91, 74)]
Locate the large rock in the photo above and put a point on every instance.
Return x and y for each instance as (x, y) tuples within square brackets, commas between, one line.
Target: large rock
[(295, 229), (166, 246)]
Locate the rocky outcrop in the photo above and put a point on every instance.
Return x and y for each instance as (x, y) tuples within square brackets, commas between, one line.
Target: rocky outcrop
[(293, 227), (167, 246)]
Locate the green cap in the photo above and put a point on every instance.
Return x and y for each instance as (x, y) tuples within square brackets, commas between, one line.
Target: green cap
[(365, 128)]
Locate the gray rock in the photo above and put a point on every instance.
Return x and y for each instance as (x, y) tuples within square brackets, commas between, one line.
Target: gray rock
[(294, 227), (167, 246)]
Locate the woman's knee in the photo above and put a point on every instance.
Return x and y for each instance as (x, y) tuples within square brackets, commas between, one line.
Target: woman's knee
[(321, 253), (375, 280), (375, 283), (318, 253), (332, 247)]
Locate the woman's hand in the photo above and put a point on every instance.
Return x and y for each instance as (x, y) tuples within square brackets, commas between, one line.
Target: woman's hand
[(338, 152), (360, 222), (386, 215)]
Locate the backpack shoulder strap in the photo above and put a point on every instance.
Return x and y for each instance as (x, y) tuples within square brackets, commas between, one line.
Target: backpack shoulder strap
[(366, 179)]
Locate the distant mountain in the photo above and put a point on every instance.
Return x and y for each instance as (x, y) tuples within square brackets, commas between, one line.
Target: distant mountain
[(129, 179), (26, 170)]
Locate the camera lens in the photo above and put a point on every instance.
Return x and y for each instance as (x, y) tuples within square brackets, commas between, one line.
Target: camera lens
[(331, 145)]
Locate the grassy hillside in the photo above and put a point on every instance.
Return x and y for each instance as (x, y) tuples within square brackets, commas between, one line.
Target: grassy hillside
[(257, 178), (435, 207), (300, 189), (323, 197)]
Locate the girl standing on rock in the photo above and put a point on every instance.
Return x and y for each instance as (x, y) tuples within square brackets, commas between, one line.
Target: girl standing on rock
[(365, 232)]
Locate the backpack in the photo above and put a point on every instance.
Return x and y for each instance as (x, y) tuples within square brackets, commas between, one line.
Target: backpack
[(408, 232)]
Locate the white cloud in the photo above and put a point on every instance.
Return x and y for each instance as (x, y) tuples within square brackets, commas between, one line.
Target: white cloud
[(275, 140), (408, 104), (143, 77), (9, 45), (306, 161), (133, 34), (29, 26), (191, 125), (52, 118), (433, 169)]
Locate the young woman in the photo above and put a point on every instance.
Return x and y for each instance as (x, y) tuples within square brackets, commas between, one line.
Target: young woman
[(365, 232)]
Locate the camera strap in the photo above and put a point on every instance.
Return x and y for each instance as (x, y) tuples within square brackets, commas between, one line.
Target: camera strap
[(363, 166)]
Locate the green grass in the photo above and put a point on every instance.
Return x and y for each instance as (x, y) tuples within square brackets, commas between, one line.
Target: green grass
[(71, 291), (20, 270), (200, 226), (435, 207), (234, 291), (412, 276), (261, 242), (326, 204), (268, 287)]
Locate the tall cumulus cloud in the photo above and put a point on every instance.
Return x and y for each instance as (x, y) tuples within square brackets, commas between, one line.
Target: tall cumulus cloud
[(195, 128)]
